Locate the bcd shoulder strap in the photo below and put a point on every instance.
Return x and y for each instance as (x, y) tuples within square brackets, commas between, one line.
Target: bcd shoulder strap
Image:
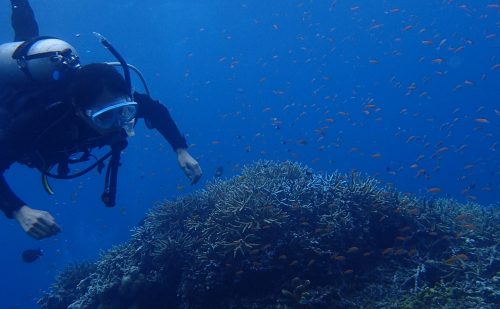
[(21, 54)]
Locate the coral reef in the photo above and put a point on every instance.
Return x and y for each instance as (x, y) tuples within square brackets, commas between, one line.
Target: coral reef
[(280, 236), (69, 284)]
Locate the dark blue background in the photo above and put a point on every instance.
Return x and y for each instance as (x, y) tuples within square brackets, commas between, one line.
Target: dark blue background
[(248, 80)]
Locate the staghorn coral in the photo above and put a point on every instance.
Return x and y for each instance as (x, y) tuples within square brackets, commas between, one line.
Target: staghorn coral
[(69, 284), (280, 236)]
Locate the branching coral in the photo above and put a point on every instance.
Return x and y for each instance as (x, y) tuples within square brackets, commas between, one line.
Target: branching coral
[(72, 281), (247, 242)]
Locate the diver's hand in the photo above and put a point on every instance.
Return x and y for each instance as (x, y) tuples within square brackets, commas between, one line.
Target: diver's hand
[(189, 165), (36, 223)]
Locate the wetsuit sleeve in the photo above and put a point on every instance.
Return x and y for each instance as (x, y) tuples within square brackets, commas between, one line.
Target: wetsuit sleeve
[(23, 20), (157, 115), (9, 202)]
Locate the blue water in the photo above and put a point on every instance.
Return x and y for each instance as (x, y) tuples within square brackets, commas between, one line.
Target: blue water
[(353, 85)]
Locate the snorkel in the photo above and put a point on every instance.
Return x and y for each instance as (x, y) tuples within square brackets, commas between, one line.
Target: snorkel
[(125, 66), (116, 54)]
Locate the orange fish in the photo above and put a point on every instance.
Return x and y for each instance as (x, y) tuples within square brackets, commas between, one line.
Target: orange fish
[(401, 252), (376, 26), (459, 257), (339, 258), (239, 273), (411, 139), (469, 226), (405, 228), (387, 251), (348, 271), (442, 149), (468, 166), (414, 211), (460, 217), (439, 151), (441, 44), (256, 264), (421, 172), (482, 120), (352, 250), (450, 261), (461, 148), (434, 190)]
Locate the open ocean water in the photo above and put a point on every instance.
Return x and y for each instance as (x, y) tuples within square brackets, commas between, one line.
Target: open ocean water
[(405, 91)]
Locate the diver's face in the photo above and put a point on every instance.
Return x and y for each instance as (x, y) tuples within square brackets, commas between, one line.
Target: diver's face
[(111, 113)]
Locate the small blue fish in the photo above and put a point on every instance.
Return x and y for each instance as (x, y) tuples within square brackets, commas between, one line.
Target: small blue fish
[(29, 256)]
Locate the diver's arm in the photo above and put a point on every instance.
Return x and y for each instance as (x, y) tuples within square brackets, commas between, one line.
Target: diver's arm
[(36, 223), (158, 116), (23, 20), (9, 202)]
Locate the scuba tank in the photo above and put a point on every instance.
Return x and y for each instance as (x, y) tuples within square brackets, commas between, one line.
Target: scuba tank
[(41, 60)]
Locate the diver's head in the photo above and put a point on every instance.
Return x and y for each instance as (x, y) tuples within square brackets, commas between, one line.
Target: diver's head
[(101, 96)]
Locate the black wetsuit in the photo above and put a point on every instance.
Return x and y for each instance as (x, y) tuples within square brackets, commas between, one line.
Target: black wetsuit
[(38, 126)]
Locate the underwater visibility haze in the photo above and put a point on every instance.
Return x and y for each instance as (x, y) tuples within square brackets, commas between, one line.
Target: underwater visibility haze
[(369, 131)]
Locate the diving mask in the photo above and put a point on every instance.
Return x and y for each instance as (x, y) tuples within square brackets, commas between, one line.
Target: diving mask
[(117, 114)]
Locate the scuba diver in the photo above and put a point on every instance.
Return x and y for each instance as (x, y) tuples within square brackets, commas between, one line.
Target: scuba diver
[(55, 111)]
